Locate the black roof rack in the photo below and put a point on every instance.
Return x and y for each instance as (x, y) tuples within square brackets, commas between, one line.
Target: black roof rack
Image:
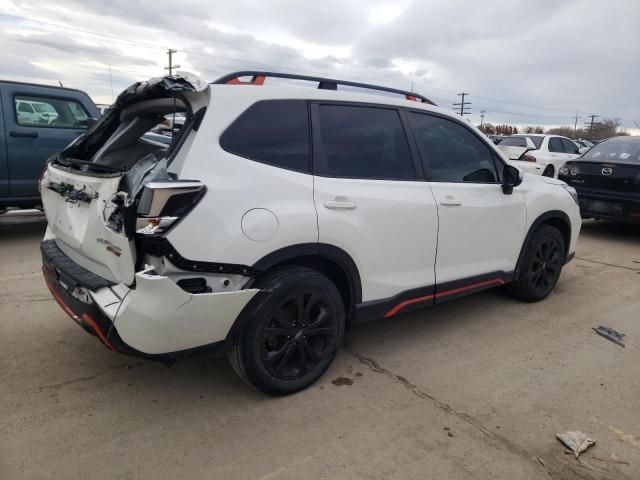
[(258, 78)]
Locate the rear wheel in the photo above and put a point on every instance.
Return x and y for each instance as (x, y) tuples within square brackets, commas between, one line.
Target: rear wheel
[(541, 266), (294, 332), (548, 171)]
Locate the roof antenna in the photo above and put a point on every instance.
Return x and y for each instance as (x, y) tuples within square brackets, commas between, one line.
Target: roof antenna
[(60, 83)]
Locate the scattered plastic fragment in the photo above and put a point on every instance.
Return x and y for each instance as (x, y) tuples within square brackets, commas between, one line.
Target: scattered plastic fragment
[(610, 334), (577, 442)]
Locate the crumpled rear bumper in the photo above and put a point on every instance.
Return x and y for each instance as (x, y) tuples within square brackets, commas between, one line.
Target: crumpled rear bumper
[(156, 319)]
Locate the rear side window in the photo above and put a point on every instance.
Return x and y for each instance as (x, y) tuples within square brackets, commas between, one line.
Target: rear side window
[(454, 153), (569, 146), (32, 111), (364, 142), (275, 132), (555, 145)]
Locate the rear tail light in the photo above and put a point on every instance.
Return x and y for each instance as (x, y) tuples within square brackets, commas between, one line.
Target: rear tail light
[(44, 169), (163, 204), (529, 158)]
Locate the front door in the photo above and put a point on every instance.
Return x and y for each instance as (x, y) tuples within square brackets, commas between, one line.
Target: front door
[(37, 126), (481, 229)]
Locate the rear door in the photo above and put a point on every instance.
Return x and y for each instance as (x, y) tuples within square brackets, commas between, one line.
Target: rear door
[(371, 198), (56, 118), (481, 229), (4, 171)]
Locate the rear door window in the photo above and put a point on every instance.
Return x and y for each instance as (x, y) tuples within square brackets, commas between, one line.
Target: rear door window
[(569, 146), (454, 153), (34, 111), (275, 132), (363, 142), (555, 145)]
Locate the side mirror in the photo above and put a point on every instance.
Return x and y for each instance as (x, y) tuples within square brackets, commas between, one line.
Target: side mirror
[(91, 121), (511, 177)]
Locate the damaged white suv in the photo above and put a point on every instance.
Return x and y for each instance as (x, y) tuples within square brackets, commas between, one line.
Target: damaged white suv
[(279, 216)]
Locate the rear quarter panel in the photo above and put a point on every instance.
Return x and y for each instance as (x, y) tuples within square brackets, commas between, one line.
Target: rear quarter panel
[(280, 198)]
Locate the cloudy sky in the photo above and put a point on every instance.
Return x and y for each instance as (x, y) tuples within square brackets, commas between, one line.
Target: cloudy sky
[(524, 62)]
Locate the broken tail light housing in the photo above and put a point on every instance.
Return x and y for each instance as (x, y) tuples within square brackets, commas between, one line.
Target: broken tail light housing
[(163, 204)]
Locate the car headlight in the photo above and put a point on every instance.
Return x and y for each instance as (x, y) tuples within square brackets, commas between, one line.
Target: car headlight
[(572, 192), (567, 170)]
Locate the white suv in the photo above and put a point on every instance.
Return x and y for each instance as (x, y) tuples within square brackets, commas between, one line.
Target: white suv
[(280, 216)]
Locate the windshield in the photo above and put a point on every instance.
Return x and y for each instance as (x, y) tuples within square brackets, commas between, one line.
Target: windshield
[(618, 151)]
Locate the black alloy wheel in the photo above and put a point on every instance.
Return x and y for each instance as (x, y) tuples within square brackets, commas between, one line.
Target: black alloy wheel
[(293, 333), (546, 266), (296, 338), (540, 266)]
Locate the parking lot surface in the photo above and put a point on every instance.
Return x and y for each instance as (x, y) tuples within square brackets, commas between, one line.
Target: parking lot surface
[(476, 388)]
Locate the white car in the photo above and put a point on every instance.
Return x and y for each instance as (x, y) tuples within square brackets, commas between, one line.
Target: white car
[(583, 145), (280, 216), (538, 153), (35, 113)]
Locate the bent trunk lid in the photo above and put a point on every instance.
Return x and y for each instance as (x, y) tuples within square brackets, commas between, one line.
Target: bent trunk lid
[(512, 152), (78, 222), (90, 200)]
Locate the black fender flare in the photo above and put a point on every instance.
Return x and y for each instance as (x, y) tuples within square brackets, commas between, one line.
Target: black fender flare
[(322, 250), (545, 217)]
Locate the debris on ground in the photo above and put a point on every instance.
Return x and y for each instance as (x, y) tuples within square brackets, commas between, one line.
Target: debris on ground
[(576, 441), (610, 334)]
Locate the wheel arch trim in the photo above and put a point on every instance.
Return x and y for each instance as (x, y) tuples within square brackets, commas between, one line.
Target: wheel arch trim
[(323, 251), (542, 219)]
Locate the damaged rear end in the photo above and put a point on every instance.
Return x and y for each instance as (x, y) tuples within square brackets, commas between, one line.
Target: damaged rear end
[(109, 198)]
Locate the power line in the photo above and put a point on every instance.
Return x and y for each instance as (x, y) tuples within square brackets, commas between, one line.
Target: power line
[(463, 105)]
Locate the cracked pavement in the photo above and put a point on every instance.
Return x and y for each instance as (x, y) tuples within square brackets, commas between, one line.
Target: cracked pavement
[(475, 389)]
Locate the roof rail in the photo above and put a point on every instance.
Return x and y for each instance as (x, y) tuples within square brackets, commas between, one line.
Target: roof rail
[(258, 77)]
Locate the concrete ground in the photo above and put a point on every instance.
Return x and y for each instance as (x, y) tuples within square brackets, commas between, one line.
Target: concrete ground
[(476, 388)]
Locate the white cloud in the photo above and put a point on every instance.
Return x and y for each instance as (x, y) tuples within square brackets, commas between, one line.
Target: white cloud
[(524, 62)]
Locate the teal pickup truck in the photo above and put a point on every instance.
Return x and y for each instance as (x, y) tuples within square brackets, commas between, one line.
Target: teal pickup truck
[(36, 121)]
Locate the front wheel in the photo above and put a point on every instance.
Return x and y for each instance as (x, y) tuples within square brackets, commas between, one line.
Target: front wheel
[(541, 266), (548, 171), (294, 333)]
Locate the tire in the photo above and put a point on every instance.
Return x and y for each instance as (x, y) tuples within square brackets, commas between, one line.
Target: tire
[(548, 171), (541, 266), (294, 333)]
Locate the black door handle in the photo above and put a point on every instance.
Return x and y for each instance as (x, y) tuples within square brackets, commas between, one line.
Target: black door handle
[(32, 134)]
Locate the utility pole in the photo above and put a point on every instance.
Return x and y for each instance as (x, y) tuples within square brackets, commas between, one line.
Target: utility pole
[(463, 105), (171, 66), (592, 117), (575, 124), (482, 112)]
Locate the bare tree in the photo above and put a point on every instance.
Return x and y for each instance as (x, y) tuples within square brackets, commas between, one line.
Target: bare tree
[(608, 127)]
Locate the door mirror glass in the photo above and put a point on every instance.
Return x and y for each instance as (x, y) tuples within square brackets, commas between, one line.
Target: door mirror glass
[(511, 177)]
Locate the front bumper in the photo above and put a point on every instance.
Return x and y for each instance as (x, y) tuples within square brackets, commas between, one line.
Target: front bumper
[(155, 319)]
